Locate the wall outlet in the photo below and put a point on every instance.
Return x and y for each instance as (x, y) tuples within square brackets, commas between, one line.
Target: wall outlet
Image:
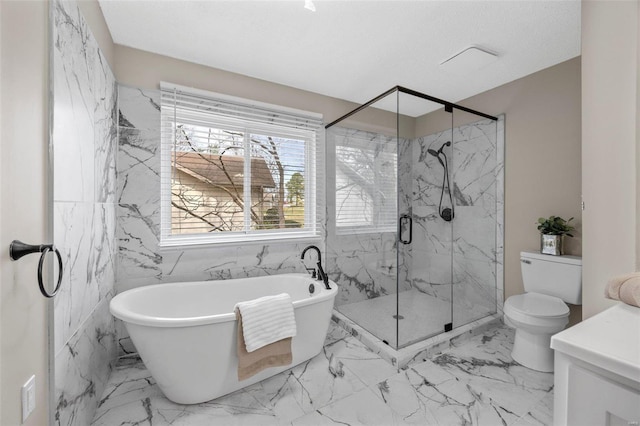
[(28, 397)]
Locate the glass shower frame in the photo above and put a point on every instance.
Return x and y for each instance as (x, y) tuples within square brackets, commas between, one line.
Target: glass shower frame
[(423, 305)]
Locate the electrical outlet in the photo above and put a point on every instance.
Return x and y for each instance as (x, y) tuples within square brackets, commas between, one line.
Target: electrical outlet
[(28, 397)]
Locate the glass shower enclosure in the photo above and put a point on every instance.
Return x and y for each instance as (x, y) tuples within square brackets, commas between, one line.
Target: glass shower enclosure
[(412, 207)]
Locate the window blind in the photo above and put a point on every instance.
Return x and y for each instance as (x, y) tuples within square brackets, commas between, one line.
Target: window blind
[(234, 170), (366, 183)]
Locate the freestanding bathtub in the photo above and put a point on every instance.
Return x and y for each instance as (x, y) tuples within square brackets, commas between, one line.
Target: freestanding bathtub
[(186, 332)]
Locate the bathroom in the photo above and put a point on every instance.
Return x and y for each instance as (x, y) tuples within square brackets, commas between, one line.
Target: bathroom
[(113, 193)]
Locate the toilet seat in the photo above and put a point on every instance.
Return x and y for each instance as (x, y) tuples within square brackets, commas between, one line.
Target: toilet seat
[(536, 309), (539, 305)]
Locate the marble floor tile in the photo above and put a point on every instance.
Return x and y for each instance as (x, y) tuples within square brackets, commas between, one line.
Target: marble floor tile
[(540, 414), (485, 366), (361, 408), (335, 333), (307, 387), (426, 394), (473, 383), (364, 363)]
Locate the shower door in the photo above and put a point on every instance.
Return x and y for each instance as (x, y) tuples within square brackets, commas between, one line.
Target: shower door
[(414, 198), (388, 248), (477, 188), (362, 230), (426, 212)]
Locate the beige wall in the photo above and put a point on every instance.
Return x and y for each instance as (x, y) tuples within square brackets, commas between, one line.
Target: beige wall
[(609, 145), (542, 155), (23, 204), (142, 69)]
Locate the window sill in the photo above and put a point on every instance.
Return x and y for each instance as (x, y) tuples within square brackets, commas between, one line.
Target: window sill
[(199, 243), (356, 231)]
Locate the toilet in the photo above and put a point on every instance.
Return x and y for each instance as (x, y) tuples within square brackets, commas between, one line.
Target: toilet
[(549, 282)]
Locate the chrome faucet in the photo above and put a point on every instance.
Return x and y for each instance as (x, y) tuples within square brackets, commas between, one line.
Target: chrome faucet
[(321, 274)]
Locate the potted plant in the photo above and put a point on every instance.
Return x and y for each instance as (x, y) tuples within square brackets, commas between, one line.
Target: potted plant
[(552, 232)]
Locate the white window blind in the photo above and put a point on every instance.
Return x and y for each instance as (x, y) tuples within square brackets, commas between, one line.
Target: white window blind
[(366, 183), (235, 170)]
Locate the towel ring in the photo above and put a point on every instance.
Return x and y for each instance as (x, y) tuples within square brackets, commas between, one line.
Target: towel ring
[(17, 249), (43, 290)]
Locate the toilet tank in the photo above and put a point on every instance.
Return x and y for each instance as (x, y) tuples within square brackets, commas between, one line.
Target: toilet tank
[(559, 276)]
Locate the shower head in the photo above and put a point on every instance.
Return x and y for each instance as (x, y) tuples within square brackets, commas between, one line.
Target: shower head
[(436, 154), (447, 143)]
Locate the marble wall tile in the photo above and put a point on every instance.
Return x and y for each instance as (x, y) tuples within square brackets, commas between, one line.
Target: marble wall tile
[(85, 235), (474, 233), (74, 60), (364, 265), (138, 230), (241, 261), (105, 131), (139, 166), (138, 108), (82, 368), (432, 273), (84, 144), (474, 291), (139, 146), (104, 248)]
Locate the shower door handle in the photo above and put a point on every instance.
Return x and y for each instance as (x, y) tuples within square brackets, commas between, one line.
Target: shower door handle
[(405, 218)]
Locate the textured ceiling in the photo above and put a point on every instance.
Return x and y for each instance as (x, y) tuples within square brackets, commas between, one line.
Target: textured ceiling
[(355, 50)]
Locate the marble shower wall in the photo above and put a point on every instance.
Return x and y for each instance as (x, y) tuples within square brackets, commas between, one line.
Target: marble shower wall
[(140, 260), (466, 252), (364, 263), (84, 145)]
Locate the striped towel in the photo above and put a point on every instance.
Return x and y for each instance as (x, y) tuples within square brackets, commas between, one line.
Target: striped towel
[(266, 320)]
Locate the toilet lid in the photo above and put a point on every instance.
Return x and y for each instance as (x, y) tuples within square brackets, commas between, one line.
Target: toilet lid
[(539, 305)]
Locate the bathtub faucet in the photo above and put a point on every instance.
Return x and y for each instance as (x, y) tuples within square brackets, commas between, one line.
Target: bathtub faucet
[(321, 274)]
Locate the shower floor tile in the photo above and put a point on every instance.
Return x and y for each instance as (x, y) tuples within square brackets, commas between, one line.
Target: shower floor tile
[(475, 383), (422, 316)]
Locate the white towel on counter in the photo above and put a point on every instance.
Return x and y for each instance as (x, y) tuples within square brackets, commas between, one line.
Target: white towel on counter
[(266, 320)]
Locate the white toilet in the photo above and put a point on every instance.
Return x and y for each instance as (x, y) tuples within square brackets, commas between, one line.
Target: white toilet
[(549, 281)]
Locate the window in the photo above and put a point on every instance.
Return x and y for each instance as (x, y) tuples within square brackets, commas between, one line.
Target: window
[(237, 171), (366, 169)]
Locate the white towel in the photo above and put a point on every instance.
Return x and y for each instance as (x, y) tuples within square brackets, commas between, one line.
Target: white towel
[(266, 320)]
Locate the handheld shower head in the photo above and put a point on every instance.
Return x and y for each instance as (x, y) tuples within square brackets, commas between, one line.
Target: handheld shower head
[(436, 154), (439, 151), (447, 143), (446, 213)]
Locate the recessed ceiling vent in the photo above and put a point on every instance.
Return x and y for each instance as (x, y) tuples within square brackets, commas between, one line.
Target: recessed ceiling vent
[(468, 60)]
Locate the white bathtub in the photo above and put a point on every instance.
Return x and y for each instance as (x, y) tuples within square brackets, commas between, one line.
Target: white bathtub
[(186, 332)]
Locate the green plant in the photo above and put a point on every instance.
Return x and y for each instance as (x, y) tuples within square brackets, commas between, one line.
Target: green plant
[(555, 225)]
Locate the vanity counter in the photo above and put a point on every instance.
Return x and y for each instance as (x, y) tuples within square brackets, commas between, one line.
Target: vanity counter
[(597, 369)]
